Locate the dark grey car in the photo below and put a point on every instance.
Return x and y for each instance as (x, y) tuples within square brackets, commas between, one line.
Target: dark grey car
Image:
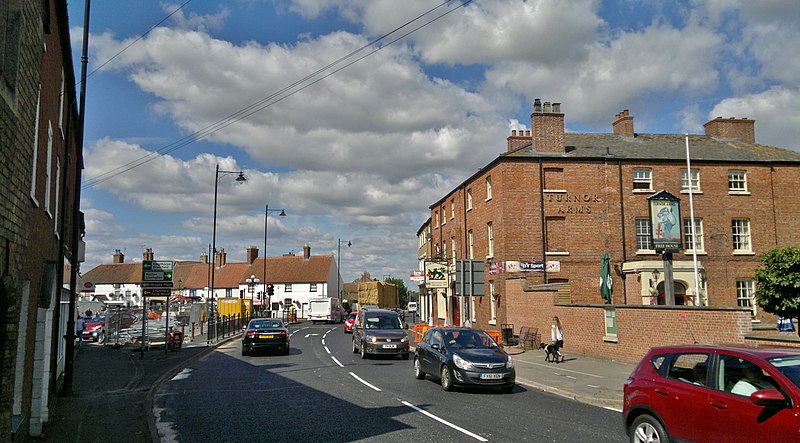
[(380, 332)]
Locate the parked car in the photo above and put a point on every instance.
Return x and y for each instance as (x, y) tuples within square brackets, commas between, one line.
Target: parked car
[(379, 332), (714, 393), (464, 357), (265, 334), (350, 322)]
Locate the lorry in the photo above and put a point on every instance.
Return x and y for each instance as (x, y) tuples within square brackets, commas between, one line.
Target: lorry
[(326, 309), (381, 294)]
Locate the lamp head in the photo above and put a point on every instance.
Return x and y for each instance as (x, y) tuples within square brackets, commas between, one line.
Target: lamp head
[(241, 178), (349, 244), (282, 214)]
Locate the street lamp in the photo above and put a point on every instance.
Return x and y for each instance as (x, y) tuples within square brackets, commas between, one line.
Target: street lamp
[(267, 210), (239, 179), (252, 281), (339, 274)]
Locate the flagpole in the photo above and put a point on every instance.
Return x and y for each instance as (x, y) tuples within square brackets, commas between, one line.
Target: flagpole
[(691, 214)]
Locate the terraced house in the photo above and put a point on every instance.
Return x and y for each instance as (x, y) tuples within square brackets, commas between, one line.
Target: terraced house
[(545, 210)]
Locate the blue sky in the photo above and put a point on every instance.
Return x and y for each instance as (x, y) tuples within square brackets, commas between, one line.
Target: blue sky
[(359, 152)]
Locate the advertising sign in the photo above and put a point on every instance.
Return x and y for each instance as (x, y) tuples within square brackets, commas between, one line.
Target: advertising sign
[(665, 222), (417, 276), (436, 275)]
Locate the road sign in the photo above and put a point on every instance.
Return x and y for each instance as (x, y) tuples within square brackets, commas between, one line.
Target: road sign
[(417, 276), (156, 292), (157, 284), (157, 270)]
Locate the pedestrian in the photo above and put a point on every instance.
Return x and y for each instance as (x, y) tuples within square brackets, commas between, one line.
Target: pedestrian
[(557, 337), (79, 327)]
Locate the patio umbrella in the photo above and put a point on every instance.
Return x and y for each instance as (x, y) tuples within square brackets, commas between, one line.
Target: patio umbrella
[(605, 278)]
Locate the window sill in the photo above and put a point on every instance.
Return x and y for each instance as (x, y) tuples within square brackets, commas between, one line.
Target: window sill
[(645, 252), (643, 191), (493, 322), (488, 199), (738, 192), (555, 191), (744, 253), (690, 252), (557, 253), (686, 191), (610, 339)]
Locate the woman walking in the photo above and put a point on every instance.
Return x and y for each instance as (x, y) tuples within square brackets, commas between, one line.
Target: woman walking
[(557, 337)]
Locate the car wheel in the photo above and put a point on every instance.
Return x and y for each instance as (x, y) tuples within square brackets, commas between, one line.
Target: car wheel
[(447, 378), (355, 350), (244, 351), (647, 428), (419, 374), (363, 351)]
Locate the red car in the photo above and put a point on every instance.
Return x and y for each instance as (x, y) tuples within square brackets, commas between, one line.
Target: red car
[(94, 328), (350, 322), (714, 393)]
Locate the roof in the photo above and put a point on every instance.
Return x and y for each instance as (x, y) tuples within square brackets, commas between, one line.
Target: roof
[(671, 147), (196, 275), (762, 352)]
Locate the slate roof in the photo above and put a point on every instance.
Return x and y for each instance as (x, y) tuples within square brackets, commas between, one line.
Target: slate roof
[(195, 275), (656, 147)]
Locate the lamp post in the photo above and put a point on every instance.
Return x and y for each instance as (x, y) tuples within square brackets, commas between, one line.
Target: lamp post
[(339, 274), (267, 210), (239, 179), (252, 281)]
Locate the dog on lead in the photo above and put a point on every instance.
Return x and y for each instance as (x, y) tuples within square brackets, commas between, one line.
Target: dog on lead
[(550, 355)]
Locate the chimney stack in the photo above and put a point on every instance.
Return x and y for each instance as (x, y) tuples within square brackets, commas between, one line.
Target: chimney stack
[(623, 125), (742, 129), (119, 257), (517, 141), (204, 258), (148, 254), (221, 258), (252, 254), (547, 126), (306, 251)]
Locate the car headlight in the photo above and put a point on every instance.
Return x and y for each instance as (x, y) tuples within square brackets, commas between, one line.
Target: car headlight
[(461, 363), (509, 363), (372, 339)]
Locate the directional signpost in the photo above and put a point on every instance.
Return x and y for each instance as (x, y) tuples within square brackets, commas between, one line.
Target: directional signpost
[(156, 282)]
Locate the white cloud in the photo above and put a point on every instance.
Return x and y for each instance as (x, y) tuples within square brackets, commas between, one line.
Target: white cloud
[(776, 112)]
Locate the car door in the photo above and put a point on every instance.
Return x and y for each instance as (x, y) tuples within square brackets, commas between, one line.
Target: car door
[(735, 415), (430, 361), (681, 396)]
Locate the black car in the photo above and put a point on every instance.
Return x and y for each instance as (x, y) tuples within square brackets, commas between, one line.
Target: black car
[(265, 334), (464, 357)]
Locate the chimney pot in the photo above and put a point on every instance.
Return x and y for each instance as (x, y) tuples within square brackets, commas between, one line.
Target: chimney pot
[(547, 107), (537, 105)]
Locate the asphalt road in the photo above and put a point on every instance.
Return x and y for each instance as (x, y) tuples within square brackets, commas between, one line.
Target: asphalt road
[(324, 392)]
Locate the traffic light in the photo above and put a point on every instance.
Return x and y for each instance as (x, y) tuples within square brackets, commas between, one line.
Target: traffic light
[(270, 290)]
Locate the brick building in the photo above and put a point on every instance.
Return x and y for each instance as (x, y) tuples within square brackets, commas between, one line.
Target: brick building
[(39, 159), (548, 207)]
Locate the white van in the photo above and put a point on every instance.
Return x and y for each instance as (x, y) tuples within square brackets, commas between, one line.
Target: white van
[(327, 309), (412, 306)]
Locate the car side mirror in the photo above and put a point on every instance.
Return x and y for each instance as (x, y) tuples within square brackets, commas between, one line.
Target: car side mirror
[(436, 346), (768, 397)]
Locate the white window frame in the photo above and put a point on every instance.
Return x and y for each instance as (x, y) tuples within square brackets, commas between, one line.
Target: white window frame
[(745, 290), (490, 240), (469, 199), (471, 240), (687, 235), (737, 182), (492, 304), (690, 181), (640, 222), (436, 217), (48, 173), (642, 176), (488, 188), (453, 246), (61, 108), (452, 209), (58, 199), (740, 232), (287, 287), (312, 287), (444, 216)]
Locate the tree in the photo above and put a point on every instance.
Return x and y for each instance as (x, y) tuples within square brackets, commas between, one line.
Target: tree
[(402, 291), (778, 282)]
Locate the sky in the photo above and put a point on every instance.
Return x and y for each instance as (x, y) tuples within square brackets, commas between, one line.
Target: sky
[(354, 116)]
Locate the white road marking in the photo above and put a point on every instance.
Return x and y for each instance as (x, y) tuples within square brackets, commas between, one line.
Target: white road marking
[(445, 422), (569, 376), (362, 381), (183, 375), (327, 350), (593, 386), (323, 340), (337, 361), (310, 335)]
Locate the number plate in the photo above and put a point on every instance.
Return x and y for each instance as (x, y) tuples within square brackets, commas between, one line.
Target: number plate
[(390, 346), (491, 376), (266, 336)]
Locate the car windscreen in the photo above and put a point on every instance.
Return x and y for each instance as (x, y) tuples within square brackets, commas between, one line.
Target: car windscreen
[(382, 322), (789, 366), (468, 339)]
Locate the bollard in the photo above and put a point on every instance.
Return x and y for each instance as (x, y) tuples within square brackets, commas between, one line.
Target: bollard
[(192, 330)]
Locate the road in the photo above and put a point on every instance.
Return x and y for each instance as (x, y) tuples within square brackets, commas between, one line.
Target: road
[(324, 392)]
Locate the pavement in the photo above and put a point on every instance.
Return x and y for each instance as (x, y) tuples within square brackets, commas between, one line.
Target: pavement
[(112, 399)]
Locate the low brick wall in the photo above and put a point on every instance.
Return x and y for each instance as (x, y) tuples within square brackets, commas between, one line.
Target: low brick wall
[(639, 327)]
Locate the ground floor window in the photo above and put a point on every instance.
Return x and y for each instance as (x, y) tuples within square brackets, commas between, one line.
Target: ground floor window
[(744, 294)]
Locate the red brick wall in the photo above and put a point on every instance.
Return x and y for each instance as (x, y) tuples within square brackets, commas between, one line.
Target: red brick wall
[(638, 327)]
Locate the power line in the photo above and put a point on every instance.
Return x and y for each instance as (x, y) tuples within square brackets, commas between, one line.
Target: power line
[(273, 98)]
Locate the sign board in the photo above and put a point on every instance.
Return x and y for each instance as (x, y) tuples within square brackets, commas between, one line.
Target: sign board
[(156, 284), (157, 270), (87, 286), (436, 275), (524, 266), (469, 278), (665, 222), (417, 276), (156, 292)]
